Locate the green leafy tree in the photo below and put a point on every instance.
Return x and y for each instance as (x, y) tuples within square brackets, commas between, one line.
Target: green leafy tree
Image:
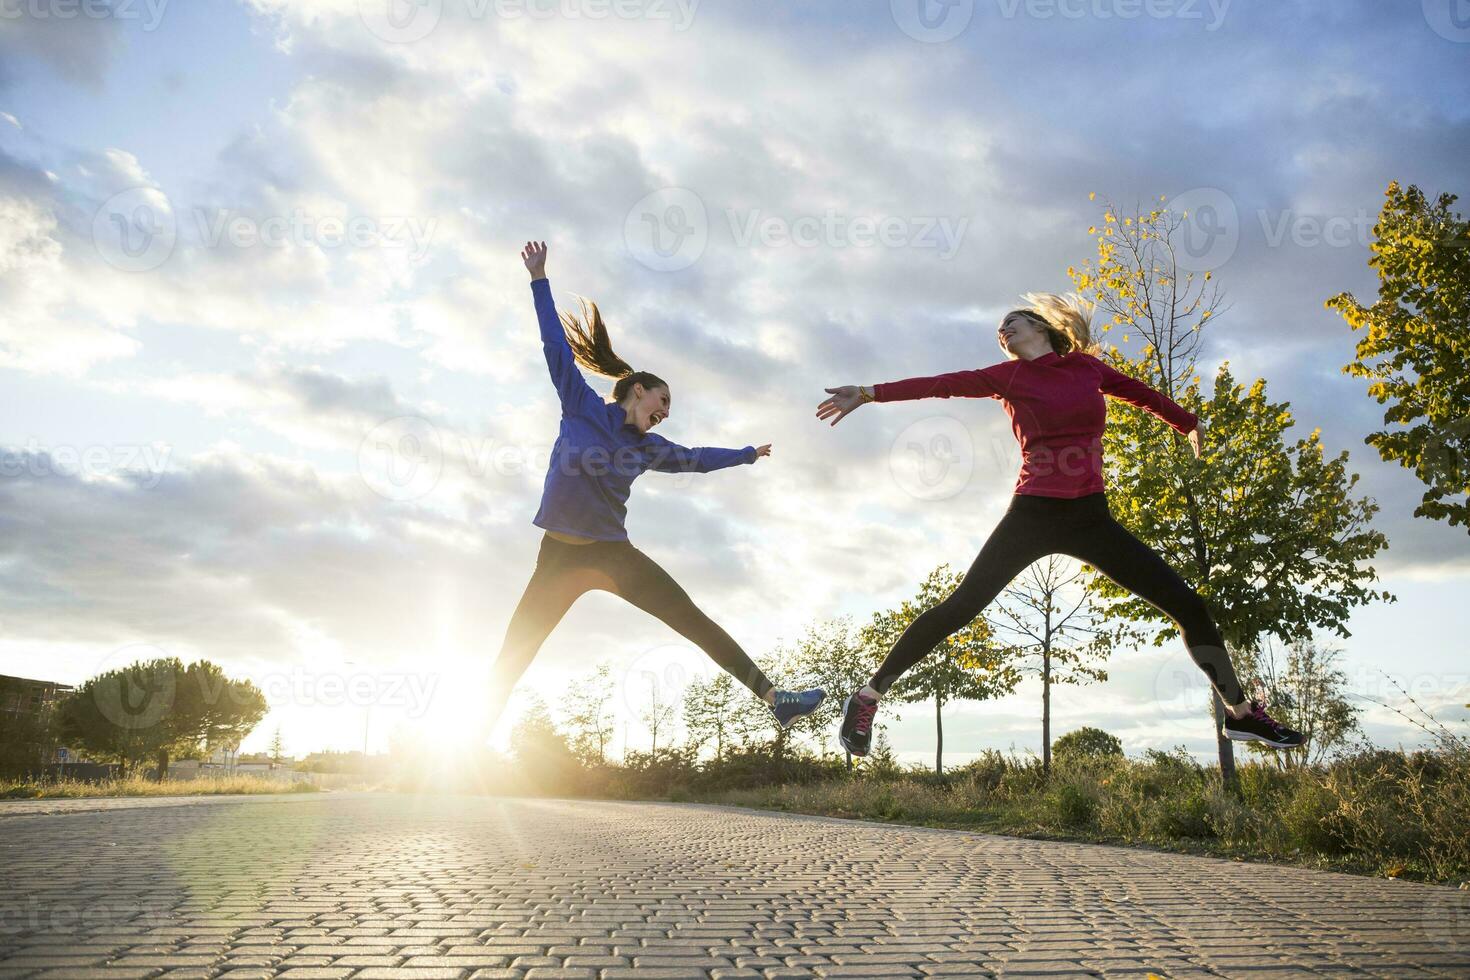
[(1266, 528), (541, 753), (1087, 743), (210, 711), (160, 709), (881, 764), (589, 715), (1055, 629), (1416, 345), (968, 665), (830, 655), (277, 747), (1311, 689), (713, 714)]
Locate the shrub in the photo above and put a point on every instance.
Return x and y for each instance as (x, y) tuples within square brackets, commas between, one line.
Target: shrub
[(1071, 805), (1183, 815), (976, 782), (1086, 744), (1311, 817)]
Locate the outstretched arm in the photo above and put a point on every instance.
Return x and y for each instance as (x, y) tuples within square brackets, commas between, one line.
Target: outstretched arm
[(576, 395), (670, 457), (1120, 386), (957, 384)]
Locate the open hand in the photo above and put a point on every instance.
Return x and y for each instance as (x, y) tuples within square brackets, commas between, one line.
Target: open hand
[(843, 401), (1195, 439), (762, 450), (534, 255)]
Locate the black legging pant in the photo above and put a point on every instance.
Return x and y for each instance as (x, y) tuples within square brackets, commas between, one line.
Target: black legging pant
[(565, 571), (1034, 527)]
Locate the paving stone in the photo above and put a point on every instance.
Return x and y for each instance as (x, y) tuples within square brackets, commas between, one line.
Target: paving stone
[(386, 887)]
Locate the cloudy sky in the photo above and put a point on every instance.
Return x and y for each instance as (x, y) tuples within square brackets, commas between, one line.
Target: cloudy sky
[(272, 392)]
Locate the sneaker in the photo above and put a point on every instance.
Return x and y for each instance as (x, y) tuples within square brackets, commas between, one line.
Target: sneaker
[(1261, 727), (792, 705), (857, 723)]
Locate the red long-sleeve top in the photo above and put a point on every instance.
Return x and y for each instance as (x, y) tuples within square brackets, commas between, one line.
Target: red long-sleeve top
[(1057, 413)]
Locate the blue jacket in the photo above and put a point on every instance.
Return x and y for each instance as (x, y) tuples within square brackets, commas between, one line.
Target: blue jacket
[(598, 453)]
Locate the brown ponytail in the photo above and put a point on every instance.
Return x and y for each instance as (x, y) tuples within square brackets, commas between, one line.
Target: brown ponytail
[(588, 339)]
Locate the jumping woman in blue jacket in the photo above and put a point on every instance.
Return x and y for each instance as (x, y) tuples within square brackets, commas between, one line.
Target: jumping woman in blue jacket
[(601, 449)]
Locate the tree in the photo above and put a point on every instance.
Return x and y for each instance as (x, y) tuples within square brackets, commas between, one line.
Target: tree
[(657, 715), (542, 755), (590, 716), (1056, 629), (968, 665), (712, 713), (1310, 689), (1267, 530), (1417, 345), (881, 763), (830, 655), (1087, 743), (160, 709), (278, 747), (210, 711)]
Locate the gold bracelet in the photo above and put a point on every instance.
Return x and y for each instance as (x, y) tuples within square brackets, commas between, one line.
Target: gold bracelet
[(863, 393)]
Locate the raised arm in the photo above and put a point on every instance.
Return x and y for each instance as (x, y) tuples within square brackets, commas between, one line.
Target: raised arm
[(670, 457), (983, 383), (1120, 386), (576, 395)]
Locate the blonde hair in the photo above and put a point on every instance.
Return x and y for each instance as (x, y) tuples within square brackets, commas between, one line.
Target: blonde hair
[(1067, 320)]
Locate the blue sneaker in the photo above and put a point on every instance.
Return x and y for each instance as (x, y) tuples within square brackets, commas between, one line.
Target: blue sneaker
[(791, 705)]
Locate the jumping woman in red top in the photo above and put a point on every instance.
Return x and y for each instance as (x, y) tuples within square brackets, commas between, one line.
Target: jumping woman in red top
[(1052, 387)]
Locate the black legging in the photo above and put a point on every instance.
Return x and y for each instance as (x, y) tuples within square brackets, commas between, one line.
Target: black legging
[(565, 571), (1034, 527)]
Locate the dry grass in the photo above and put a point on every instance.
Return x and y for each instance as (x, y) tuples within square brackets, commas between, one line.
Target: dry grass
[(134, 786), (1381, 813)]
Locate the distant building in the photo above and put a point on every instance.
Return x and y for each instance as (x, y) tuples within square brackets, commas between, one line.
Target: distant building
[(26, 696), (26, 735)]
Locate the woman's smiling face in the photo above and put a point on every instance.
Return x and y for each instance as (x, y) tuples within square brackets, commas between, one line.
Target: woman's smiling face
[(1019, 332), (647, 407)]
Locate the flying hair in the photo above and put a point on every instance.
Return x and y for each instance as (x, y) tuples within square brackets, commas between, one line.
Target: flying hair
[(587, 337), (1067, 320)]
